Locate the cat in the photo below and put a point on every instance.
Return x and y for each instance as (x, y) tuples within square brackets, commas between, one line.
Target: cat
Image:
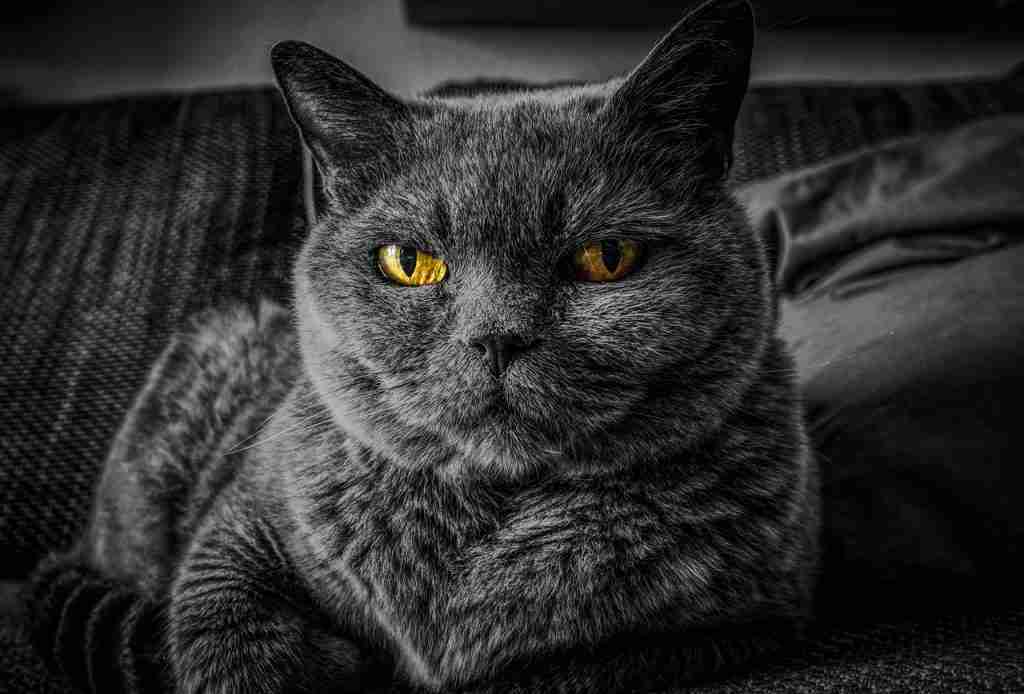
[(528, 426)]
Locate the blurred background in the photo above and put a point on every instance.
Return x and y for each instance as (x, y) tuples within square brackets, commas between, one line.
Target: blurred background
[(52, 51)]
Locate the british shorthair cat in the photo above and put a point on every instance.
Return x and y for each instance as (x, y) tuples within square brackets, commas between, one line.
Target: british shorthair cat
[(528, 426)]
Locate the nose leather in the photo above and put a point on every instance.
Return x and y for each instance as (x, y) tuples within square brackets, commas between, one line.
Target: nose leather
[(501, 350)]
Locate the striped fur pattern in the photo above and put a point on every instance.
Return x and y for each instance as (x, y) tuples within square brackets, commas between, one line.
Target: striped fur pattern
[(102, 634), (345, 498)]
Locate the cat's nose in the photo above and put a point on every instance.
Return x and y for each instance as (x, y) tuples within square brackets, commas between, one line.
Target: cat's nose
[(501, 350)]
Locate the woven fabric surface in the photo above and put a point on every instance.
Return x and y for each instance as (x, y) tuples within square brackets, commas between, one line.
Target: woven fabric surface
[(788, 126), (784, 127), (967, 654), (119, 219)]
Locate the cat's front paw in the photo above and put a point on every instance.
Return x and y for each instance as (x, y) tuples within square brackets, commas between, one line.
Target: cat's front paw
[(276, 658)]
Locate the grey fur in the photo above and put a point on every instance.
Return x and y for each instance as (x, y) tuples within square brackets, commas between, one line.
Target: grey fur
[(629, 500)]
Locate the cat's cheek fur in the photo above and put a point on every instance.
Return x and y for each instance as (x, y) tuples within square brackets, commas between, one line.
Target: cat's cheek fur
[(391, 329)]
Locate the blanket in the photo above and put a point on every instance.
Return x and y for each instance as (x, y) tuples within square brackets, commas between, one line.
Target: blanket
[(901, 271)]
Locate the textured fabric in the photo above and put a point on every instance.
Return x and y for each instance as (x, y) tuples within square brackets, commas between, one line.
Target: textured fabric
[(784, 127), (117, 220), (964, 654), (971, 654)]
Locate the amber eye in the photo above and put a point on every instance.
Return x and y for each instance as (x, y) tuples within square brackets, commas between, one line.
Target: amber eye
[(605, 261), (409, 266)]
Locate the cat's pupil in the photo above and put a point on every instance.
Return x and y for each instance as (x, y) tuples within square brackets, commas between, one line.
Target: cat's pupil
[(611, 255), (407, 259)]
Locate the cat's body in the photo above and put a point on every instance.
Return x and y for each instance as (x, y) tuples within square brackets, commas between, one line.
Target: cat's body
[(620, 499)]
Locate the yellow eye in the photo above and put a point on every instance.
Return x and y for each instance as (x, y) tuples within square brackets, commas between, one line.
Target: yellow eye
[(409, 266), (605, 261)]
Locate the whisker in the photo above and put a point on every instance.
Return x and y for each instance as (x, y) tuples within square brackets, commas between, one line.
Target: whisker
[(254, 434), (303, 425)]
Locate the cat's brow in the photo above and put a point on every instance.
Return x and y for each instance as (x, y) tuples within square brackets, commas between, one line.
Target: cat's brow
[(553, 216), (651, 226), (441, 224), (424, 232)]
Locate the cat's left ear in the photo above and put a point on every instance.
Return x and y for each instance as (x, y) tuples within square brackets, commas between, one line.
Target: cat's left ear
[(353, 128), (686, 95)]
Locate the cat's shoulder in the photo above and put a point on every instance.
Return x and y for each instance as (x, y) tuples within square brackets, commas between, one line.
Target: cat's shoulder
[(216, 381), (234, 359), (258, 330), (225, 363)]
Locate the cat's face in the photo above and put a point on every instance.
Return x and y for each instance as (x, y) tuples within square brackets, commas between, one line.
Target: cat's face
[(507, 199)]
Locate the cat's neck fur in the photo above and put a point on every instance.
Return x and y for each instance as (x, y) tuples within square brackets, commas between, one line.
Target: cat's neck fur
[(372, 533)]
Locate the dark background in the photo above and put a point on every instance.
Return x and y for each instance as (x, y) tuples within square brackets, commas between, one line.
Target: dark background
[(69, 51), (909, 15)]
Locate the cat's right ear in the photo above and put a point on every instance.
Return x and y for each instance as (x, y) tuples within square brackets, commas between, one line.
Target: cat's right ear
[(684, 98), (352, 127)]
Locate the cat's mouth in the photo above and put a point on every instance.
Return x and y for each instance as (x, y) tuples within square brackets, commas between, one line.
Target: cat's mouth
[(490, 408), (497, 408), (503, 417)]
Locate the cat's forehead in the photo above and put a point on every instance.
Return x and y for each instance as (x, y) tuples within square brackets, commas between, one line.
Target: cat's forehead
[(514, 125), (519, 170), (520, 152)]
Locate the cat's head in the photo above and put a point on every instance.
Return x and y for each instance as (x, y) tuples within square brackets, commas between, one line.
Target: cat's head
[(535, 278)]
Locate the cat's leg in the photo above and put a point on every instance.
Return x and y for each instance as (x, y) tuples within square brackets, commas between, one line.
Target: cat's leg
[(96, 610), (213, 386), (240, 620)]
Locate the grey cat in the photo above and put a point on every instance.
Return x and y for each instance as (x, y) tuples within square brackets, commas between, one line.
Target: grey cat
[(533, 432)]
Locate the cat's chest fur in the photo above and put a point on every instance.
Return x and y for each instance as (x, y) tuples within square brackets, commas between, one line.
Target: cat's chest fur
[(461, 578)]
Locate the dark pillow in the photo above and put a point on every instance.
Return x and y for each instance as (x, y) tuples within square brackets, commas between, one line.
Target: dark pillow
[(902, 274)]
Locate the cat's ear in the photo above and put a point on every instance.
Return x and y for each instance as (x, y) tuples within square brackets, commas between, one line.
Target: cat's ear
[(352, 127), (687, 92)]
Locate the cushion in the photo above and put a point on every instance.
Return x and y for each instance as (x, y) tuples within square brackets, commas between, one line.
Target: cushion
[(901, 270)]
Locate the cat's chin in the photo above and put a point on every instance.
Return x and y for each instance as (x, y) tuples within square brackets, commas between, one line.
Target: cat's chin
[(509, 464), (502, 444), (497, 416)]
